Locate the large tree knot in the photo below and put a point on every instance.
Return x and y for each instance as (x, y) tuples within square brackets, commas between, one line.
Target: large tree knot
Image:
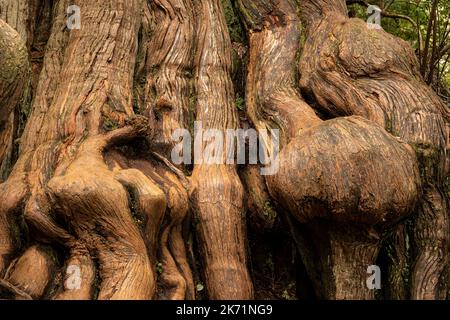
[(348, 172)]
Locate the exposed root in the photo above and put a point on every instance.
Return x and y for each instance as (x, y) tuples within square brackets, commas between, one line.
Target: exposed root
[(163, 204), (12, 195)]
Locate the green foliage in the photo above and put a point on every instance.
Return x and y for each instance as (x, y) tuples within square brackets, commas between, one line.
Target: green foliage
[(289, 292), (418, 10), (269, 211), (233, 22)]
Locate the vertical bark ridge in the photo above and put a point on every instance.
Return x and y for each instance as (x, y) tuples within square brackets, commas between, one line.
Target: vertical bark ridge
[(217, 193), (318, 171), (274, 37), (164, 94)]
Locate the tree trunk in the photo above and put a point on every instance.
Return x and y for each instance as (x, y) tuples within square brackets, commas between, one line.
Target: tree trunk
[(92, 206), (13, 92)]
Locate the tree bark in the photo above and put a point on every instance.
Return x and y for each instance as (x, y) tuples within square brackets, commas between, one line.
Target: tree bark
[(350, 69), (95, 89), (13, 91), (93, 207), (331, 181), (218, 194)]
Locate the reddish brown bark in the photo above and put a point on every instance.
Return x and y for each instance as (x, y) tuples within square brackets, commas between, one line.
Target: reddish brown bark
[(348, 171), (218, 193), (350, 69), (94, 189), (83, 121)]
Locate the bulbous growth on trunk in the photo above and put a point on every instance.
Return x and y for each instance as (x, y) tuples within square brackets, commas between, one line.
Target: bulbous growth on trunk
[(342, 172)]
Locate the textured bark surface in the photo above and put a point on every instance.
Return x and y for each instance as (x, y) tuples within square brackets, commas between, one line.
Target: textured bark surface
[(92, 189), (218, 194), (71, 140), (17, 14), (347, 170), (350, 69), (13, 90)]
